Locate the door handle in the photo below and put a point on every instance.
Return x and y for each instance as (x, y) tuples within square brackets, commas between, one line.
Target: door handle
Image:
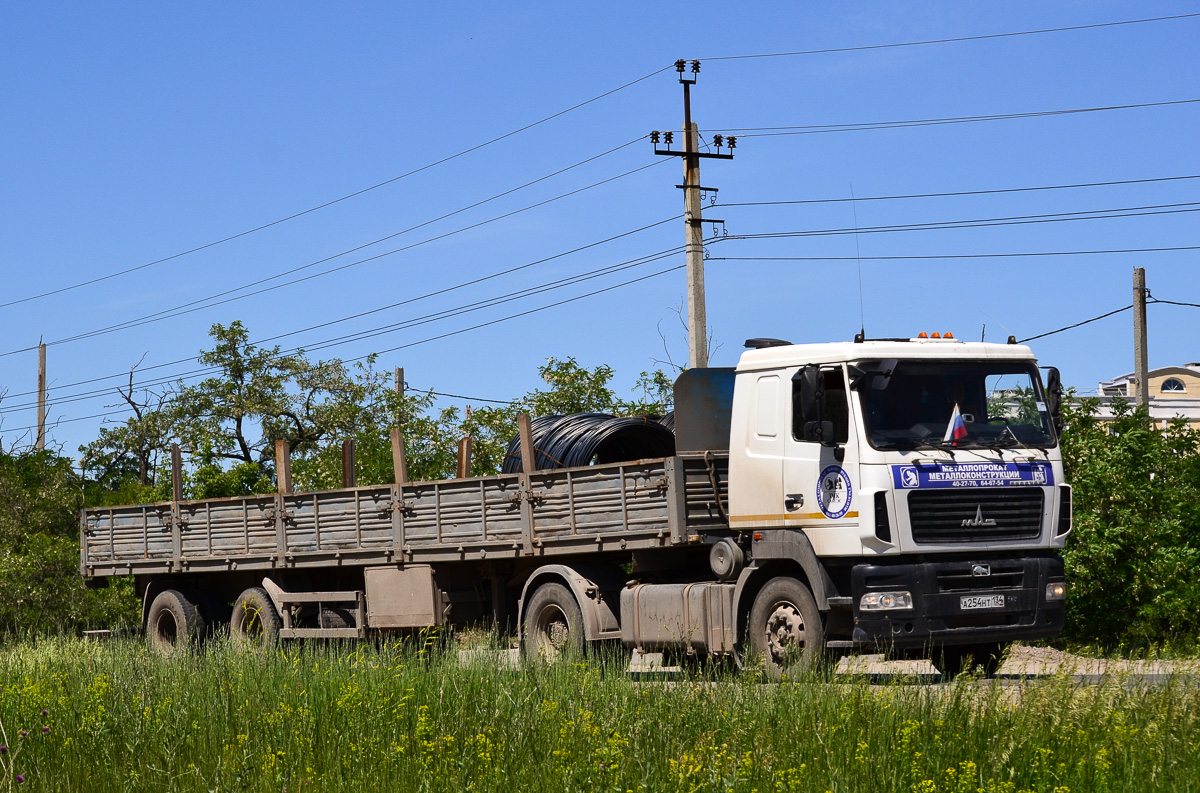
[(793, 501)]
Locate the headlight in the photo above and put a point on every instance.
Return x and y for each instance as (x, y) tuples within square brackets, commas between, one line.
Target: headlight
[(1056, 591), (885, 601)]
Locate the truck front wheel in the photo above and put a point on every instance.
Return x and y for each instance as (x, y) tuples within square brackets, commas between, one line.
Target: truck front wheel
[(174, 622), (785, 628), (553, 625), (254, 620)]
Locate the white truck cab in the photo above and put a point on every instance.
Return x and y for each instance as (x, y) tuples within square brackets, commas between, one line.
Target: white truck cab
[(924, 474)]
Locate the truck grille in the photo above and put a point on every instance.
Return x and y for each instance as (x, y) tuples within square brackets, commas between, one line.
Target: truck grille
[(937, 516)]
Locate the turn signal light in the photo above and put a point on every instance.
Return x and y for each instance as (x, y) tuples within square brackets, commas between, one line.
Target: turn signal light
[(1056, 591)]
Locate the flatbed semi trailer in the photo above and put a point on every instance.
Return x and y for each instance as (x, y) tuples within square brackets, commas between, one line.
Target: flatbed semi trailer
[(902, 495)]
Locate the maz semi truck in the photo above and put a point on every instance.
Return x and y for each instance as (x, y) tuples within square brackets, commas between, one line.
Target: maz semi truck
[(902, 496)]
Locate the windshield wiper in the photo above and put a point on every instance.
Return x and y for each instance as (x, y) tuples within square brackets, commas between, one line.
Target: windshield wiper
[(902, 445)]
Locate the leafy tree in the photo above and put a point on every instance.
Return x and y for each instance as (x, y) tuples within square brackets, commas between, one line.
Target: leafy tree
[(40, 586), (1135, 549), (239, 412)]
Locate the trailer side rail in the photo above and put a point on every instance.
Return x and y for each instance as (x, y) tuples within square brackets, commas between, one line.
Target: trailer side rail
[(621, 506)]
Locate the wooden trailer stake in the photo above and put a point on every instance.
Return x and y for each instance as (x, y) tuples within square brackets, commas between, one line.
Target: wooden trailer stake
[(398, 456), (283, 466)]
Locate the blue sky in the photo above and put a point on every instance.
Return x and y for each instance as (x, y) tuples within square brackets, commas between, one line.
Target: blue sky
[(134, 132)]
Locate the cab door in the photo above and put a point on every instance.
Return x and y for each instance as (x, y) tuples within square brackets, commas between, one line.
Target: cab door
[(820, 465)]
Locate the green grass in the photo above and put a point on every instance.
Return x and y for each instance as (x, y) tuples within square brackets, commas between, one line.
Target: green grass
[(349, 718)]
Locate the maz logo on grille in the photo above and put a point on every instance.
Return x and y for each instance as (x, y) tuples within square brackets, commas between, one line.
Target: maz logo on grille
[(979, 519)]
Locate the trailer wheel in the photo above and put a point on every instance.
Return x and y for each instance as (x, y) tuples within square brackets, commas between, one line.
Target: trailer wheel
[(254, 621), (785, 628), (954, 659), (173, 623), (553, 628)]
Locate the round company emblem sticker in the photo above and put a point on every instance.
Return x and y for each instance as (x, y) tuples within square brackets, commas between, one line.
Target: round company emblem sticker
[(834, 492)]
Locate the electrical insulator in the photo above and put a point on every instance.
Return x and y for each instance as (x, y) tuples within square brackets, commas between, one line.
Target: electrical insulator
[(668, 137), (732, 141), (695, 67), (717, 140), (679, 64), (654, 136)]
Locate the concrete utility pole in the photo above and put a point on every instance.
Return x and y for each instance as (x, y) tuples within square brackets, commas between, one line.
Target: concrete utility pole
[(41, 414), (693, 217), (1141, 363)]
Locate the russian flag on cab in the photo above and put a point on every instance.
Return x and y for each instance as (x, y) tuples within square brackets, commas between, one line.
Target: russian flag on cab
[(957, 429)]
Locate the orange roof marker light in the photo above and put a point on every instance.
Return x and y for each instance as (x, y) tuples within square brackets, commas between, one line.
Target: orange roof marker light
[(922, 335), (948, 335), (935, 335)]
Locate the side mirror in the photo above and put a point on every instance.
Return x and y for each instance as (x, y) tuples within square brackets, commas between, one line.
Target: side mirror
[(1054, 394), (819, 432), (812, 388), (877, 378)]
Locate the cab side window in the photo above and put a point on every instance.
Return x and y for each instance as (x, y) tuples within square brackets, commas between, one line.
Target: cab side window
[(834, 407)]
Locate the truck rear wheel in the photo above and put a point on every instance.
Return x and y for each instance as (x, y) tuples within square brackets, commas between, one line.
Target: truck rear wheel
[(254, 621), (174, 622), (785, 628), (553, 626)]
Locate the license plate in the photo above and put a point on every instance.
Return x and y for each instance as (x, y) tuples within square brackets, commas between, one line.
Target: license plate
[(981, 602)]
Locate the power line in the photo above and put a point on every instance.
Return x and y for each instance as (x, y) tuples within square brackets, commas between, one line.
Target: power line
[(949, 255), (468, 398), (574, 107), (440, 336), (346, 197), (1109, 314), (958, 193), (465, 284), (1174, 303), (815, 129), (1055, 217), (1077, 324), (391, 327), (434, 293), (211, 301), (1015, 220), (530, 311), (956, 39)]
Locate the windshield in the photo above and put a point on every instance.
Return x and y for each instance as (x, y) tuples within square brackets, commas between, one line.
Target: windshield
[(943, 404)]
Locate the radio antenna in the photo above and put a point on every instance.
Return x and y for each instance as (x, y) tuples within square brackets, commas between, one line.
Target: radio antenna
[(858, 256)]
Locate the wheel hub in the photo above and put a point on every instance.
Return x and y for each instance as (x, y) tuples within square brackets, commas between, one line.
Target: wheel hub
[(553, 633), (785, 631)]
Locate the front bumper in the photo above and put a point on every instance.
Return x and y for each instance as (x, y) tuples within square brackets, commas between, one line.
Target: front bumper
[(938, 588)]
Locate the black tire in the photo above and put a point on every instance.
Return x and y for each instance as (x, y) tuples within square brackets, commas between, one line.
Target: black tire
[(552, 626), (952, 660), (785, 628), (255, 620), (174, 623)]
